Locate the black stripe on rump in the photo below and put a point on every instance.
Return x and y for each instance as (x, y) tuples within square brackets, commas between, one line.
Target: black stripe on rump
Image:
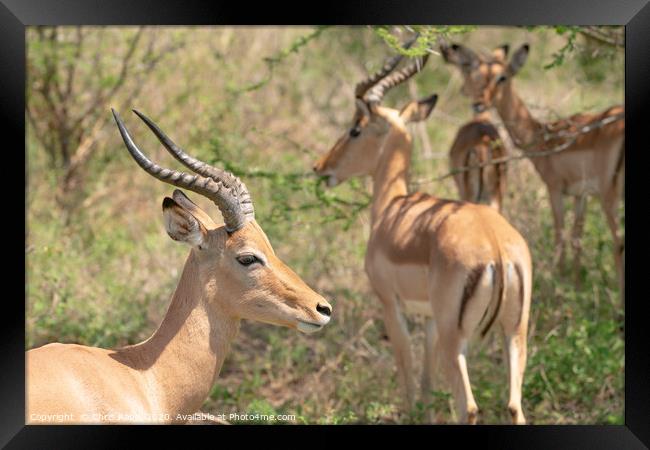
[(499, 281), (471, 282)]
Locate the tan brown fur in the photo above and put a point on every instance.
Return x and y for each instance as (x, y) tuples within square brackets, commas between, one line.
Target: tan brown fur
[(170, 374), (423, 250), (477, 142), (591, 165)]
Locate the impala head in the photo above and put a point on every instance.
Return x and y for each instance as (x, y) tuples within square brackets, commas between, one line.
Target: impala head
[(357, 151), (236, 265), (485, 77)]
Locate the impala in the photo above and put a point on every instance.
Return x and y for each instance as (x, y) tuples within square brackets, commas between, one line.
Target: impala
[(476, 143), (592, 164), (231, 273), (460, 264)]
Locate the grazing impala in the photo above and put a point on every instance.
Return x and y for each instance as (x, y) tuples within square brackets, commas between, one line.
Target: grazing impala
[(231, 273), (592, 164), (460, 264), (477, 143)]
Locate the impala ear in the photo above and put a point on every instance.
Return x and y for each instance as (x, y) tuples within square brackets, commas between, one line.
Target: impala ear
[(181, 225), (518, 60), (417, 111), (185, 202), (501, 53)]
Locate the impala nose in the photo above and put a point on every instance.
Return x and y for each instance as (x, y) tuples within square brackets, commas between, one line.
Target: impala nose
[(325, 310)]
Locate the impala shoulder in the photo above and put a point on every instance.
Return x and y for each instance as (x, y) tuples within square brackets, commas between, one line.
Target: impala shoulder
[(54, 347)]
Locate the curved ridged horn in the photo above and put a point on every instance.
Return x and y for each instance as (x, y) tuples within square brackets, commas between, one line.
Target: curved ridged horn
[(376, 94), (222, 189), (390, 64), (202, 168)]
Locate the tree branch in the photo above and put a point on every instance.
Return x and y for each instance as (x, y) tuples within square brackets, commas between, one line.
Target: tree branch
[(597, 34), (547, 137), (72, 65), (100, 96)]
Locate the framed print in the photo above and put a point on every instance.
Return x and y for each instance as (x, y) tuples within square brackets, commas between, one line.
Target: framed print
[(358, 216)]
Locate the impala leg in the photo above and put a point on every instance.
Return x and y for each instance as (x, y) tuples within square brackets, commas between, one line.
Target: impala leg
[(454, 349), (401, 342), (453, 332), (516, 351), (501, 187), (429, 369), (470, 404), (460, 185), (580, 209), (557, 206), (474, 178), (493, 187), (609, 203), (492, 191)]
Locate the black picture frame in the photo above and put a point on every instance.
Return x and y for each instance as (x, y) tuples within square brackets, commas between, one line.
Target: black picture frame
[(15, 15)]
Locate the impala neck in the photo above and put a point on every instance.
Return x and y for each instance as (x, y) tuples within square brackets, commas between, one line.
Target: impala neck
[(187, 351), (522, 127), (390, 177)]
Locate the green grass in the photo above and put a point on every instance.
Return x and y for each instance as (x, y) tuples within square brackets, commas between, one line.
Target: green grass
[(105, 276)]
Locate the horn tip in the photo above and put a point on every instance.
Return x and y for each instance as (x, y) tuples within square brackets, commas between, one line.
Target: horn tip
[(118, 119), (146, 120)]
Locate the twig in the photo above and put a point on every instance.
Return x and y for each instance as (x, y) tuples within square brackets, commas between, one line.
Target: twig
[(573, 136), (598, 35), (100, 96), (272, 61)]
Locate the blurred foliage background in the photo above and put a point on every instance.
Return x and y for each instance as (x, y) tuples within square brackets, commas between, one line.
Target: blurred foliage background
[(265, 102)]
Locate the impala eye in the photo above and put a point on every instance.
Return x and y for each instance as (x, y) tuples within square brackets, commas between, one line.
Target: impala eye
[(354, 132), (247, 260)]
